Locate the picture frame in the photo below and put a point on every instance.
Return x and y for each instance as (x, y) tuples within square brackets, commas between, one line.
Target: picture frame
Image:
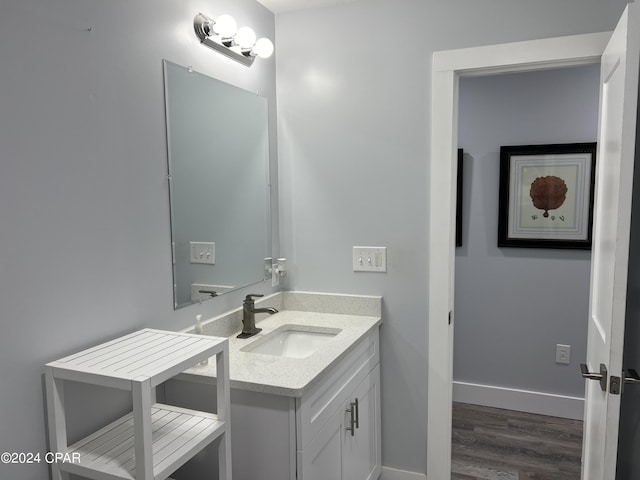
[(546, 195)]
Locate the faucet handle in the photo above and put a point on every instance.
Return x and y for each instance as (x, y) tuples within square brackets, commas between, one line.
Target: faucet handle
[(249, 299)]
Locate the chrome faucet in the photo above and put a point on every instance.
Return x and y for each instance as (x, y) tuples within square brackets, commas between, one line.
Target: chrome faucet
[(249, 311)]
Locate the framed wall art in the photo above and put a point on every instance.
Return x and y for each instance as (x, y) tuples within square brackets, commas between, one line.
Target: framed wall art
[(546, 195)]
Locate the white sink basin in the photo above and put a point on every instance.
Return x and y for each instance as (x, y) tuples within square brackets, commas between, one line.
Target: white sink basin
[(293, 341)]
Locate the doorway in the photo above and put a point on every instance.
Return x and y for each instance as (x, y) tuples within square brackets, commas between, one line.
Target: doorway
[(515, 305), (581, 49)]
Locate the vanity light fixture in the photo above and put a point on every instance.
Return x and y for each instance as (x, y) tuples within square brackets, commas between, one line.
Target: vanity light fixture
[(224, 36)]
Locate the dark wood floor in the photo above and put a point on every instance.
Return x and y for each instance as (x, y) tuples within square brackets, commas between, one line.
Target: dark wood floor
[(494, 444)]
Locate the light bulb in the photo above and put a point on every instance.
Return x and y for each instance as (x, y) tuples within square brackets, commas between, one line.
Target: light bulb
[(245, 38), (263, 48), (225, 26)]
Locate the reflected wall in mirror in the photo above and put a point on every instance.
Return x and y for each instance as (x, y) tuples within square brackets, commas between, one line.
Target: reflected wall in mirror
[(218, 150)]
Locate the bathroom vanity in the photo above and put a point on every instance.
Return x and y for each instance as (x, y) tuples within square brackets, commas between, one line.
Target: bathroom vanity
[(308, 412)]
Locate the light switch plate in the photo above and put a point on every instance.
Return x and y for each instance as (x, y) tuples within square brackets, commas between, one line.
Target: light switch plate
[(369, 259), (563, 354), (202, 252)]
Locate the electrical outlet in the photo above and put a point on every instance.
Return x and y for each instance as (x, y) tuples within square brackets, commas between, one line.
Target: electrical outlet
[(563, 354)]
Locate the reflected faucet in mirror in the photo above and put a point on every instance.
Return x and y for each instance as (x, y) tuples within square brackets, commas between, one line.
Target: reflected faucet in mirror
[(212, 293), (249, 311)]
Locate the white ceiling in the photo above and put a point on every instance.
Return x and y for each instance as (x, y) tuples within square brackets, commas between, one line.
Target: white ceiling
[(280, 6)]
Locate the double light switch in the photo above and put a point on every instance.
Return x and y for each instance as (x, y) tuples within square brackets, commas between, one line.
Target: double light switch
[(202, 252)]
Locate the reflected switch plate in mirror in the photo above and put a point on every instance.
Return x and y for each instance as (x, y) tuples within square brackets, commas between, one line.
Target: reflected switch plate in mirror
[(202, 252)]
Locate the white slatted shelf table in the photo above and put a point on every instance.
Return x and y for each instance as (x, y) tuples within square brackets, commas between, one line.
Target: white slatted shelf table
[(155, 439)]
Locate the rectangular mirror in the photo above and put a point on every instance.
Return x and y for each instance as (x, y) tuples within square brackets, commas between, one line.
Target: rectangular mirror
[(218, 157)]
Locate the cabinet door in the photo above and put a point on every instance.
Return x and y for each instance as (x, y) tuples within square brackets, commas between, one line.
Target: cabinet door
[(361, 452), (322, 458)]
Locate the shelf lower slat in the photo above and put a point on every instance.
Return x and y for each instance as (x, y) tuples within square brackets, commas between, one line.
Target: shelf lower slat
[(177, 433)]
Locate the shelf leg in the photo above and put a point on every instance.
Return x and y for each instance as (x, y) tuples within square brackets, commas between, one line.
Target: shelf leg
[(224, 412), (56, 420), (141, 391)]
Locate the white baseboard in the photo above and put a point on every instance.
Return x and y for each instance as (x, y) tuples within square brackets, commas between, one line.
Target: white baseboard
[(393, 474), (519, 400)]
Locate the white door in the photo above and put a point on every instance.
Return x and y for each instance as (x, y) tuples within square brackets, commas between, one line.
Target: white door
[(610, 254)]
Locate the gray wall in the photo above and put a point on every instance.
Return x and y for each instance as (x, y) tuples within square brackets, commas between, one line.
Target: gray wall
[(84, 209), (354, 117), (83, 203), (513, 305)]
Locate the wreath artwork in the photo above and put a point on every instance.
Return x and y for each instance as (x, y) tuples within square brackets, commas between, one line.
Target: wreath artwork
[(548, 193)]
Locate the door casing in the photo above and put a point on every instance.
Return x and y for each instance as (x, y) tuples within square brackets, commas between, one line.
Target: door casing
[(448, 67)]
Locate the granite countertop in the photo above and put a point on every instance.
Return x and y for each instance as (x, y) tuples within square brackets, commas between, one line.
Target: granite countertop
[(354, 315)]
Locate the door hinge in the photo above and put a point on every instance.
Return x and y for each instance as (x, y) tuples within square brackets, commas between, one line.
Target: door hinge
[(614, 385), (450, 316)]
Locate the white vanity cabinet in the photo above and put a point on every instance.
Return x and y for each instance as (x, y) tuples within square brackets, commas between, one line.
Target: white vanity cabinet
[(338, 421), (155, 439), (292, 417), (348, 445), (302, 436)]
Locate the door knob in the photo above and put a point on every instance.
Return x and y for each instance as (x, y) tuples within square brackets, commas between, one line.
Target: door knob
[(601, 377), (630, 376)]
